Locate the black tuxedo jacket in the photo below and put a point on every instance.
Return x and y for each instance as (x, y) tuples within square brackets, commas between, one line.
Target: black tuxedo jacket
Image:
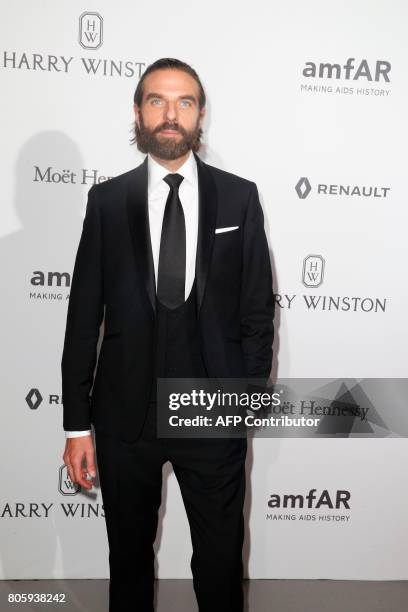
[(113, 280)]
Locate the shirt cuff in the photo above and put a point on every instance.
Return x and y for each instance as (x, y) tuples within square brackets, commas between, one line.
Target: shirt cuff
[(78, 434)]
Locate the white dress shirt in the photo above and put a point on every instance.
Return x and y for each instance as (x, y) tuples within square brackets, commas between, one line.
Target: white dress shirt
[(158, 191)]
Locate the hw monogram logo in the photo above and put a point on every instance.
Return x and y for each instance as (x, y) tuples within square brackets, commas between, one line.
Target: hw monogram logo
[(65, 484), (303, 188), (313, 270), (90, 30)]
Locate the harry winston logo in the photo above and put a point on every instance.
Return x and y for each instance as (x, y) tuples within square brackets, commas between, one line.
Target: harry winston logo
[(33, 399), (303, 188), (65, 484), (90, 30), (313, 271)]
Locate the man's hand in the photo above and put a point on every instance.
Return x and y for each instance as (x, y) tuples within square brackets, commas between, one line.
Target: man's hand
[(79, 457)]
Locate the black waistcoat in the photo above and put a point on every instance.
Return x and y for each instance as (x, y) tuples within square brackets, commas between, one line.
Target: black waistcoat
[(178, 342)]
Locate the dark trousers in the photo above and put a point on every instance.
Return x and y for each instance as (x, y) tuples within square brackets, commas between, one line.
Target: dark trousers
[(211, 476)]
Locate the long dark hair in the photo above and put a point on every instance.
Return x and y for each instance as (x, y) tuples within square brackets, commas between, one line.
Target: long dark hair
[(169, 62)]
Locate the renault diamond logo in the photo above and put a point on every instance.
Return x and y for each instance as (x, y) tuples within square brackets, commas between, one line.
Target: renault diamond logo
[(34, 399), (65, 484), (303, 188), (90, 30)]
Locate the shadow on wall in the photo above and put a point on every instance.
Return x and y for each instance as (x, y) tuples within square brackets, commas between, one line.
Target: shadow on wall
[(36, 264)]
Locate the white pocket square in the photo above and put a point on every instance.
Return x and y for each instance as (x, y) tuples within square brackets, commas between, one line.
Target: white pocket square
[(219, 230)]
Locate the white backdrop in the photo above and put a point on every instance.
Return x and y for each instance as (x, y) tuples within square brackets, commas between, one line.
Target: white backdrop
[(62, 126)]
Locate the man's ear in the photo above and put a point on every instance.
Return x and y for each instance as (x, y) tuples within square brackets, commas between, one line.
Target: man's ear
[(136, 110), (202, 115)]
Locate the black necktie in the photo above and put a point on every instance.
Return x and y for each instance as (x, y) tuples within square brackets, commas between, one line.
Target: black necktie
[(172, 258)]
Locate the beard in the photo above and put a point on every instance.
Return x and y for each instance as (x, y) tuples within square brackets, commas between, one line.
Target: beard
[(167, 147)]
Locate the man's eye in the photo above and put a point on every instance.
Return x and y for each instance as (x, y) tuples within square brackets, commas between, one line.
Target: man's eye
[(185, 103), (156, 101)]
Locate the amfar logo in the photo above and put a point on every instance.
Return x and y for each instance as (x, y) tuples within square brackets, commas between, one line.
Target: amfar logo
[(50, 279), (90, 30), (340, 499), (303, 188), (55, 282), (33, 399), (379, 71), (313, 271), (65, 484)]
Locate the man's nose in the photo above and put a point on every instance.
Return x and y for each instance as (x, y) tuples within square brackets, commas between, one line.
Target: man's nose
[(171, 112)]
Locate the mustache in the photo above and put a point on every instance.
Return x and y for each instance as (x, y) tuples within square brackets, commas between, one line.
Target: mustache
[(170, 126)]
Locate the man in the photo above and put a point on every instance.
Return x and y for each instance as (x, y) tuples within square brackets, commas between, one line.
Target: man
[(173, 256)]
